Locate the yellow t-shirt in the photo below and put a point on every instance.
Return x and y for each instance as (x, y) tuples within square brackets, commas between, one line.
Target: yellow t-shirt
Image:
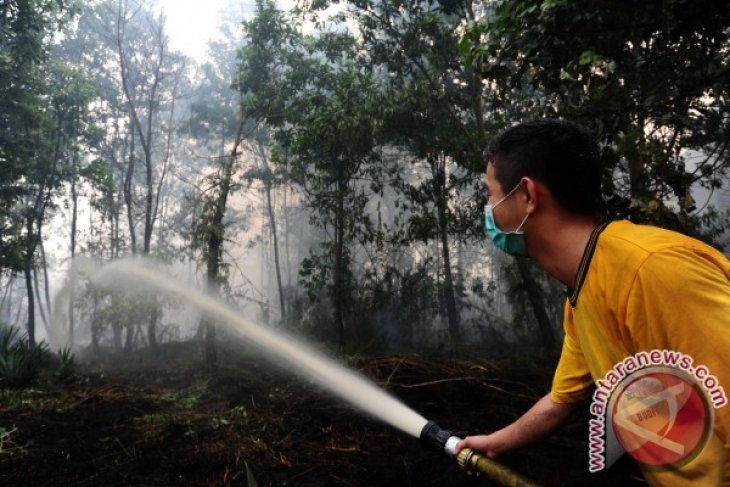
[(642, 288)]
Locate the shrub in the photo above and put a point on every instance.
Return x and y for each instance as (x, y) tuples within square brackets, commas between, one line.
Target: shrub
[(19, 362), (9, 335), (65, 366)]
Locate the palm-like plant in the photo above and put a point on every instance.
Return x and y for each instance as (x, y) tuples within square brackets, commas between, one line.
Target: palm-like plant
[(19, 361)]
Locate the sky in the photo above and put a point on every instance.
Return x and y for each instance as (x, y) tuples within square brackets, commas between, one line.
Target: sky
[(191, 23)]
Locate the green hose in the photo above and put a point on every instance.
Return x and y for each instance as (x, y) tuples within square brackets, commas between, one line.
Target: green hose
[(469, 459)]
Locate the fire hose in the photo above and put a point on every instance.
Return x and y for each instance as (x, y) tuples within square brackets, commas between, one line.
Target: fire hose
[(435, 438)]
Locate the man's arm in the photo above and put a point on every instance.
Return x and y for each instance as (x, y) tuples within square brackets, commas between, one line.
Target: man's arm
[(543, 419)]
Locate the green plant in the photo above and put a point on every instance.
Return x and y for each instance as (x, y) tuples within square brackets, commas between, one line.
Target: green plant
[(154, 428), (250, 479), (5, 437), (65, 367), (240, 413), (19, 361), (217, 422), (8, 336)]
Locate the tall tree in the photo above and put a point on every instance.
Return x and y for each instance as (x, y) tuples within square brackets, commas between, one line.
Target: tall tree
[(25, 29), (46, 104), (123, 46), (220, 128), (209, 227), (651, 78), (63, 127), (434, 112), (269, 178), (147, 70), (330, 148), (323, 112)]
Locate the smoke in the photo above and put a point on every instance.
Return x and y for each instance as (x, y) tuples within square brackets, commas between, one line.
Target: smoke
[(143, 276)]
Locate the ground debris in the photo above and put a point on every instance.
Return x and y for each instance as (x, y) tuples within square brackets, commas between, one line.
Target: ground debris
[(173, 424)]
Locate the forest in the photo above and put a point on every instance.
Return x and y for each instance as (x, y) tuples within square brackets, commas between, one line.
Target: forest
[(321, 172)]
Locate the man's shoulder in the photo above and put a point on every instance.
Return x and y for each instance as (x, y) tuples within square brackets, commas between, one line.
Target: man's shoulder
[(632, 246), (647, 239)]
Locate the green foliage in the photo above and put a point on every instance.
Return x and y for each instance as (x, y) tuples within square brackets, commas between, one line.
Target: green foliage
[(65, 366), (651, 79), (394, 118), (9, 335), (121, 312), (19, 360), (25, 28), (187, 399), (250, 479), (7, 444), (98, 174), (323, 112), (154, 428)]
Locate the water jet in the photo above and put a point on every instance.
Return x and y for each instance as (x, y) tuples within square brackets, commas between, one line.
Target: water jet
[(305, 361)]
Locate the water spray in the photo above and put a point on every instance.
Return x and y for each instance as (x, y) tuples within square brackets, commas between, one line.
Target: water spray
[(435, 438), (346, 384)]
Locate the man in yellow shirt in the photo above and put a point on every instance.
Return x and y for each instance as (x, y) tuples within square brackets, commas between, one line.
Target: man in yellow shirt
[(647, 321)]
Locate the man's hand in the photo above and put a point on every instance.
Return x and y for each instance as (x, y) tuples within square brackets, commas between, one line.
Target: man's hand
[(491, 445), (542, 420)]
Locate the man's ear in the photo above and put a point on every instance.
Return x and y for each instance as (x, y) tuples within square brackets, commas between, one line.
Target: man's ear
[(532, 191)]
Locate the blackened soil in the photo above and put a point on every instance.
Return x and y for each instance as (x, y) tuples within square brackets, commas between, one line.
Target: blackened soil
[(156, 421)]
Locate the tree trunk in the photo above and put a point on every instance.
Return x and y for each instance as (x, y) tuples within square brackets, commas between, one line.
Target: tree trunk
[(637, 172), (117, 327), (128, 195), (338, 291), (152, 101), (535, 297), (33, 219), (148, 222), (452, 311), (46, 281), (95, 323), (39, 301), (268, 182), (45, 312), (214, 245), (74, 220), (145, 136), (152, 328), (28, 271), (116, 242), (287, 247), (272, 222), (129, 337)]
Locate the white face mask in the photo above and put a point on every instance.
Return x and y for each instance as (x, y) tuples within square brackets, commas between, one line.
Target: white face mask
[(511, 242)]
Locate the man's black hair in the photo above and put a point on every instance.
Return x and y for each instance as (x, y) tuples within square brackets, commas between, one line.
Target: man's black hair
[(561, 154)]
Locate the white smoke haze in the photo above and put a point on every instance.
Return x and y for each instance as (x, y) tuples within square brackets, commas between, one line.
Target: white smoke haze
[(251, 282), (146, 277)]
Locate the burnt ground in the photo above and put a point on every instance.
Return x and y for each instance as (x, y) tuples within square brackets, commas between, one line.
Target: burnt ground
[(162, 421)]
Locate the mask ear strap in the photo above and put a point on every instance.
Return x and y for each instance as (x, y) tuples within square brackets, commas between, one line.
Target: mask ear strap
[(506, 196), (518, 230)]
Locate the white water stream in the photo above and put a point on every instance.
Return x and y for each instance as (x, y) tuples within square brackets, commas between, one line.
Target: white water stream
[(301, 359)]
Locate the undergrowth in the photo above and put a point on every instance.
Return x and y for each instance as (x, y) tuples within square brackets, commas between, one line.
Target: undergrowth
[(21, 362)]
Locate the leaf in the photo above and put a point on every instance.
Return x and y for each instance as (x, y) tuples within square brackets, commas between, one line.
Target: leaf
[(549, 4), (590, 58), (250, 479)]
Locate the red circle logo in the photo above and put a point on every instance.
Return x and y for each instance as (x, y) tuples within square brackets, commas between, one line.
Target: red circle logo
[(660, 416)]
